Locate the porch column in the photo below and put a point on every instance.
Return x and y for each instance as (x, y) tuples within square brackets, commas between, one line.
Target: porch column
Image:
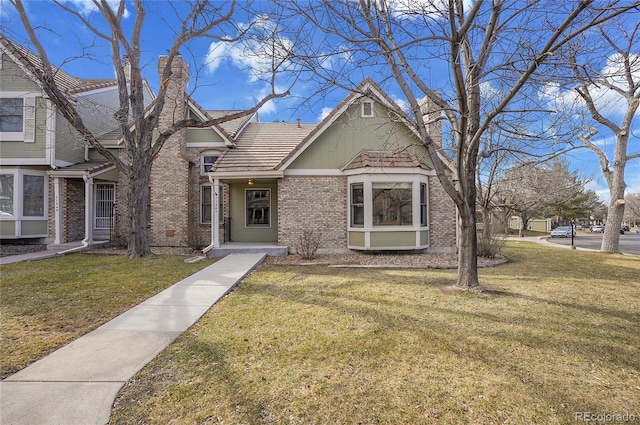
[(215, 220), (57, 213), (88, 210)]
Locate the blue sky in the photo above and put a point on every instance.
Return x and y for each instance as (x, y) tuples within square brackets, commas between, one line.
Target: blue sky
[(230, 76)]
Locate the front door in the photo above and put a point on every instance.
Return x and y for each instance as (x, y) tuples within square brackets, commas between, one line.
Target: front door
[(104, 203)]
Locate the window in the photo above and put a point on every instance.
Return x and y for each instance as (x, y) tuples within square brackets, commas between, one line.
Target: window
[(6, 195), (11, 118), (17, 118), (258, 202), (205, 204), (424, 219), (207, 160), (33, 196), (367, 109), (392, 204), (357, 205)]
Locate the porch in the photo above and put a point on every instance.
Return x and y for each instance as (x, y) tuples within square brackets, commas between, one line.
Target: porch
[(271, 249)]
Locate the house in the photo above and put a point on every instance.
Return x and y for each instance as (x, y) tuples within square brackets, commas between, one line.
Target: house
[(46, 169), (360, 178)]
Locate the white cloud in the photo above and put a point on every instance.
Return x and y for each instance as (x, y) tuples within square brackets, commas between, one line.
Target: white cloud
[(270, 107), (607, 101), (252, 54), (86, 7), (403, 104), (434, 9), (324, 113)]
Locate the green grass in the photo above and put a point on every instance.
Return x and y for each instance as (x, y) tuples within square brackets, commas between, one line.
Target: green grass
[(556, 332), (47, 303)]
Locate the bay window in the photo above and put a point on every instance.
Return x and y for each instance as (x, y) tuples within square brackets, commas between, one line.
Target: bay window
[(392, 204), (388, 210), (6, 194), (357, 205), (33, 196), (387, 202)]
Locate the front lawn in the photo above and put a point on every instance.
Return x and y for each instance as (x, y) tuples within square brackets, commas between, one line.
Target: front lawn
[(556, 333), (46, 304)]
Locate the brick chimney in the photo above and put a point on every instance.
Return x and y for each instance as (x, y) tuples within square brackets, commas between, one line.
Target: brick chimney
[(430, 114), (170, 171)]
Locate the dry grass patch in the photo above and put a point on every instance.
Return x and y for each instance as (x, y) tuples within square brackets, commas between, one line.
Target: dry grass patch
[(47, 303), (554, 335)]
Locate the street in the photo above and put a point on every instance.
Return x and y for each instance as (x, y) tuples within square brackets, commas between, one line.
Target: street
[(629, 242)]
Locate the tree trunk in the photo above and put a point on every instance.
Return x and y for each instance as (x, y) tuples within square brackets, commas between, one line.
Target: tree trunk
[(615, 213), (467, 252), (138, 245), (617, 186)]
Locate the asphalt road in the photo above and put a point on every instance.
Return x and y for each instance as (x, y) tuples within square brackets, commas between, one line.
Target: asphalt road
[(629, 242)]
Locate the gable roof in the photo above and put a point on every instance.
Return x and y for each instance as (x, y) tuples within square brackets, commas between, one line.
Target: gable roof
[(232, 127), (366, 89), (66, 82), (262, 146)]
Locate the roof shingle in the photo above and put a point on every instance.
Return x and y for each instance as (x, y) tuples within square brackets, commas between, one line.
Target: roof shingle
[(262, 146)]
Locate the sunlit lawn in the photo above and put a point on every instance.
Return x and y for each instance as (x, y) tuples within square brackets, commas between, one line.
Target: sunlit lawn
[(557, 332), (47, 303)]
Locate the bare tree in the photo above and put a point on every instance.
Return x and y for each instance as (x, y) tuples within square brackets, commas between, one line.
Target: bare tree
[(622, 77), (632, 210), (201, 19), (494, 46), (535, 191)]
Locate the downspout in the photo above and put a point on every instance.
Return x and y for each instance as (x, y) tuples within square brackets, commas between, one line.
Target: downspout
[(215, 221), (88, 215), (56, 211)]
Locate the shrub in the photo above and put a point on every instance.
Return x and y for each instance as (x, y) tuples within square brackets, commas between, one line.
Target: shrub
[(490, 247), (308, 243)]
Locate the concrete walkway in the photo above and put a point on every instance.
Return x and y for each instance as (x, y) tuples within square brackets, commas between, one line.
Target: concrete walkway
[(78, 383)]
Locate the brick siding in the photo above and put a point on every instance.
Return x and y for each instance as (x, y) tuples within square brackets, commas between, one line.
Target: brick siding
[(442, 219), (170, 171), (319, 203)]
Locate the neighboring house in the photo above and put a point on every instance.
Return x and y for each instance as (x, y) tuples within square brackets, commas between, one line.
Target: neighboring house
[(360, 178), (52, 187)]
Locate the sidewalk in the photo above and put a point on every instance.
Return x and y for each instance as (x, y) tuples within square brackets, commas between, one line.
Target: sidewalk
[(39, 255), (78, 383)]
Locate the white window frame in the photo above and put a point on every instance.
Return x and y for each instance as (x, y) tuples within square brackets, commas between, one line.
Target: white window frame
[(246, 208), (367, 180), (27, 134), (204, 164), (363, 106)]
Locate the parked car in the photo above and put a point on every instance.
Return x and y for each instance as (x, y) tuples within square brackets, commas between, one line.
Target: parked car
[(622, 230), (625, 227), (597, 229), (562, 232)]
